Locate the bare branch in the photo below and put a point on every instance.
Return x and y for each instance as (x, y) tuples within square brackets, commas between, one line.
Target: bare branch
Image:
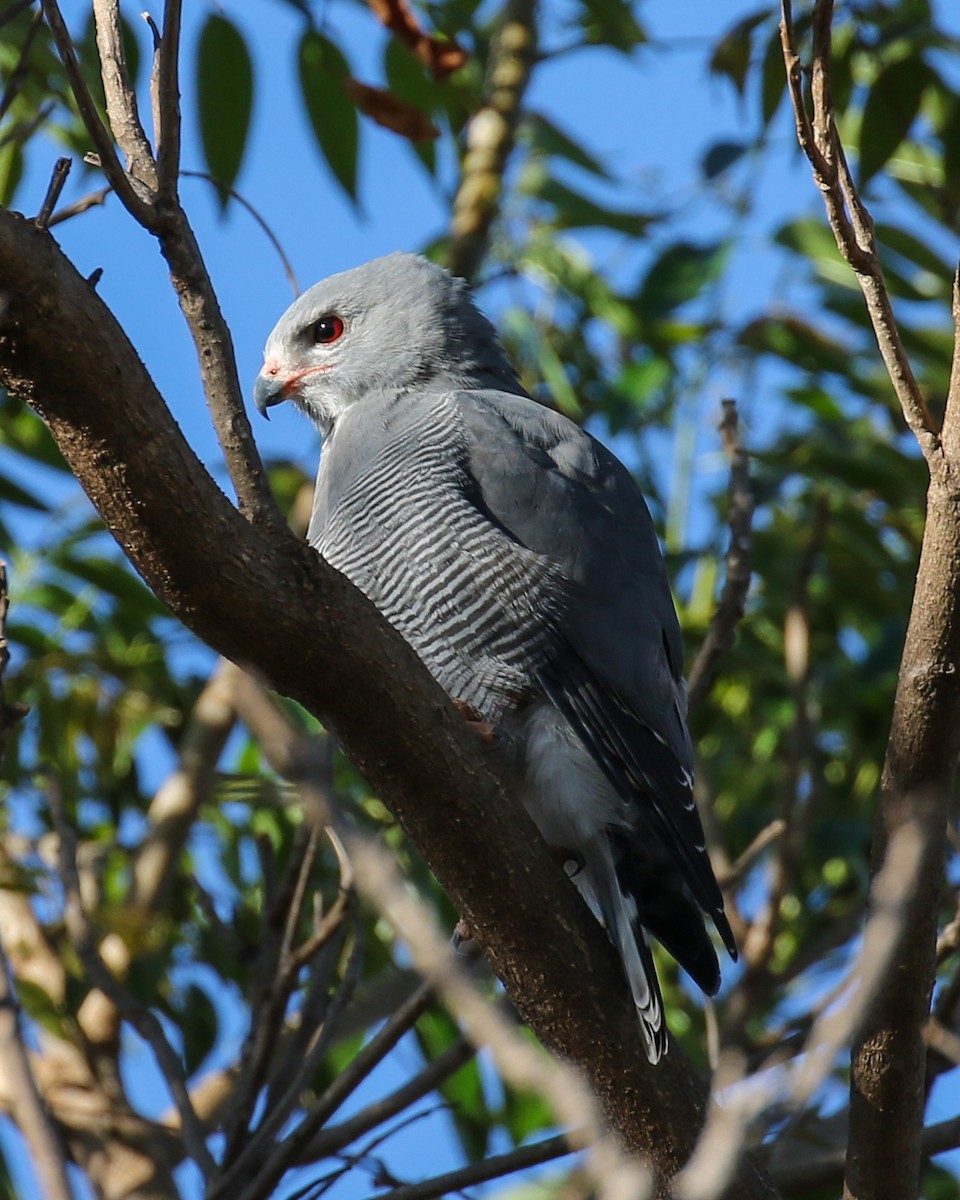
[(733, 597), (495, 1167), (950, 433), (168, 100), (60, 172), (434, 1074), (174, 807), (142, 1020), (29, 1112), (848, 217), (141, 209), (78, 207), (742, 864), (121, 99)]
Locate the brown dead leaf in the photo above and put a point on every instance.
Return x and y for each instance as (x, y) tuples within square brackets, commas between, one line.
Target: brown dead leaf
[(390, 112), (441, 57)]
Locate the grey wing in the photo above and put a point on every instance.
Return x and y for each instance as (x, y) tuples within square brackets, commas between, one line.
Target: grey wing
[(616, 668)]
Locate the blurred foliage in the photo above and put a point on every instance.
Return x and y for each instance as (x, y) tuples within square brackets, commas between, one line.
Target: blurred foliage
[(797, 721)]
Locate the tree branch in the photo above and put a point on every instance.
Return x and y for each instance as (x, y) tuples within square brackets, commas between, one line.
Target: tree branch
[(490, 137), (889, 1054), (142, 1020), (29, 1111), (139, 207), (848, 216), (495, 1167), (733, 597), (121, 99)]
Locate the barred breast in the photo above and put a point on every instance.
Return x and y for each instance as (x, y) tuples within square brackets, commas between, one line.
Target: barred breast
[(407, 527)]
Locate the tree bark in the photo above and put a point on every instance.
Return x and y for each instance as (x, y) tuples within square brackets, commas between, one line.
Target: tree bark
[(269, 603), (889, 1054)]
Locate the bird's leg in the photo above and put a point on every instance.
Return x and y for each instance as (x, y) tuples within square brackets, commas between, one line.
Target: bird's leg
[(461, 933), (476, 722)]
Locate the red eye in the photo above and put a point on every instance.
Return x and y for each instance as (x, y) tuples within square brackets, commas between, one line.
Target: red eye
[(328, 329)]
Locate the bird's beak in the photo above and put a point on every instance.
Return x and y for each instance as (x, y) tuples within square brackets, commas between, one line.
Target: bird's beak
[(269, 390)]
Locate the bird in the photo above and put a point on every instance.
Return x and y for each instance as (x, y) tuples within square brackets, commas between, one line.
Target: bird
[(516, 555)]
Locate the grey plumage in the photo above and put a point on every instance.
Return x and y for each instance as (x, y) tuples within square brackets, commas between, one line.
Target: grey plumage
[(517, 556)]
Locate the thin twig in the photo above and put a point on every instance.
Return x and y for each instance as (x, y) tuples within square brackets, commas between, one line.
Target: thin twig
[(168, 101), (729, 610), (495, 1167), (848, 216), (264, 1161), (744, 861), (59, 177), (91, 200), (433, 1075), (120, 97), (142, 1020), (244, 203), (30, 1114), (372, 1054), (140, 209)]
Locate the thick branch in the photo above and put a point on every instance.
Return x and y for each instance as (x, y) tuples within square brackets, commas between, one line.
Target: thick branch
[(263, 599), (490, 137)]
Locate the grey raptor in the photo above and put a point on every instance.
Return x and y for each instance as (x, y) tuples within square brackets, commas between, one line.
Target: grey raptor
[(517, 556)]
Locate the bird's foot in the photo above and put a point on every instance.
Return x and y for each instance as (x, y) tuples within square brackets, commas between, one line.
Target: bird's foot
[(462, 933), (486, 732)]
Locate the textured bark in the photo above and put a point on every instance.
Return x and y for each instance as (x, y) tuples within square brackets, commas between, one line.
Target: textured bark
[(889, 1057), (267, 602)]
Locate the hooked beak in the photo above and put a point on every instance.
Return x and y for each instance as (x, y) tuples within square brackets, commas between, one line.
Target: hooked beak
[(269, 390), (274, 385)]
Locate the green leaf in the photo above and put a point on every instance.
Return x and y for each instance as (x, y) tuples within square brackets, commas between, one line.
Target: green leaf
[(550, 141), (224, 99), (12, 493), (332, 114), (720, 157), (610, 23), (797, 343), (950, 136), (198, 1021), (890, 110), (409, 80), (463, 1091), (680, 274), (41, 1007), (731, 55), (11, 170), (574, 211)]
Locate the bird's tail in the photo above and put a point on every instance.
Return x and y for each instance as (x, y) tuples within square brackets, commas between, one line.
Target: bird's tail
[(620, 915)]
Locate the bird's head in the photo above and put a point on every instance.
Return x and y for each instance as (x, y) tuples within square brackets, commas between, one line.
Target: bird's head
[(393, 324)]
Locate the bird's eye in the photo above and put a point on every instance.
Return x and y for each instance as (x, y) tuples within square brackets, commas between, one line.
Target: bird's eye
[(328, 329)]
